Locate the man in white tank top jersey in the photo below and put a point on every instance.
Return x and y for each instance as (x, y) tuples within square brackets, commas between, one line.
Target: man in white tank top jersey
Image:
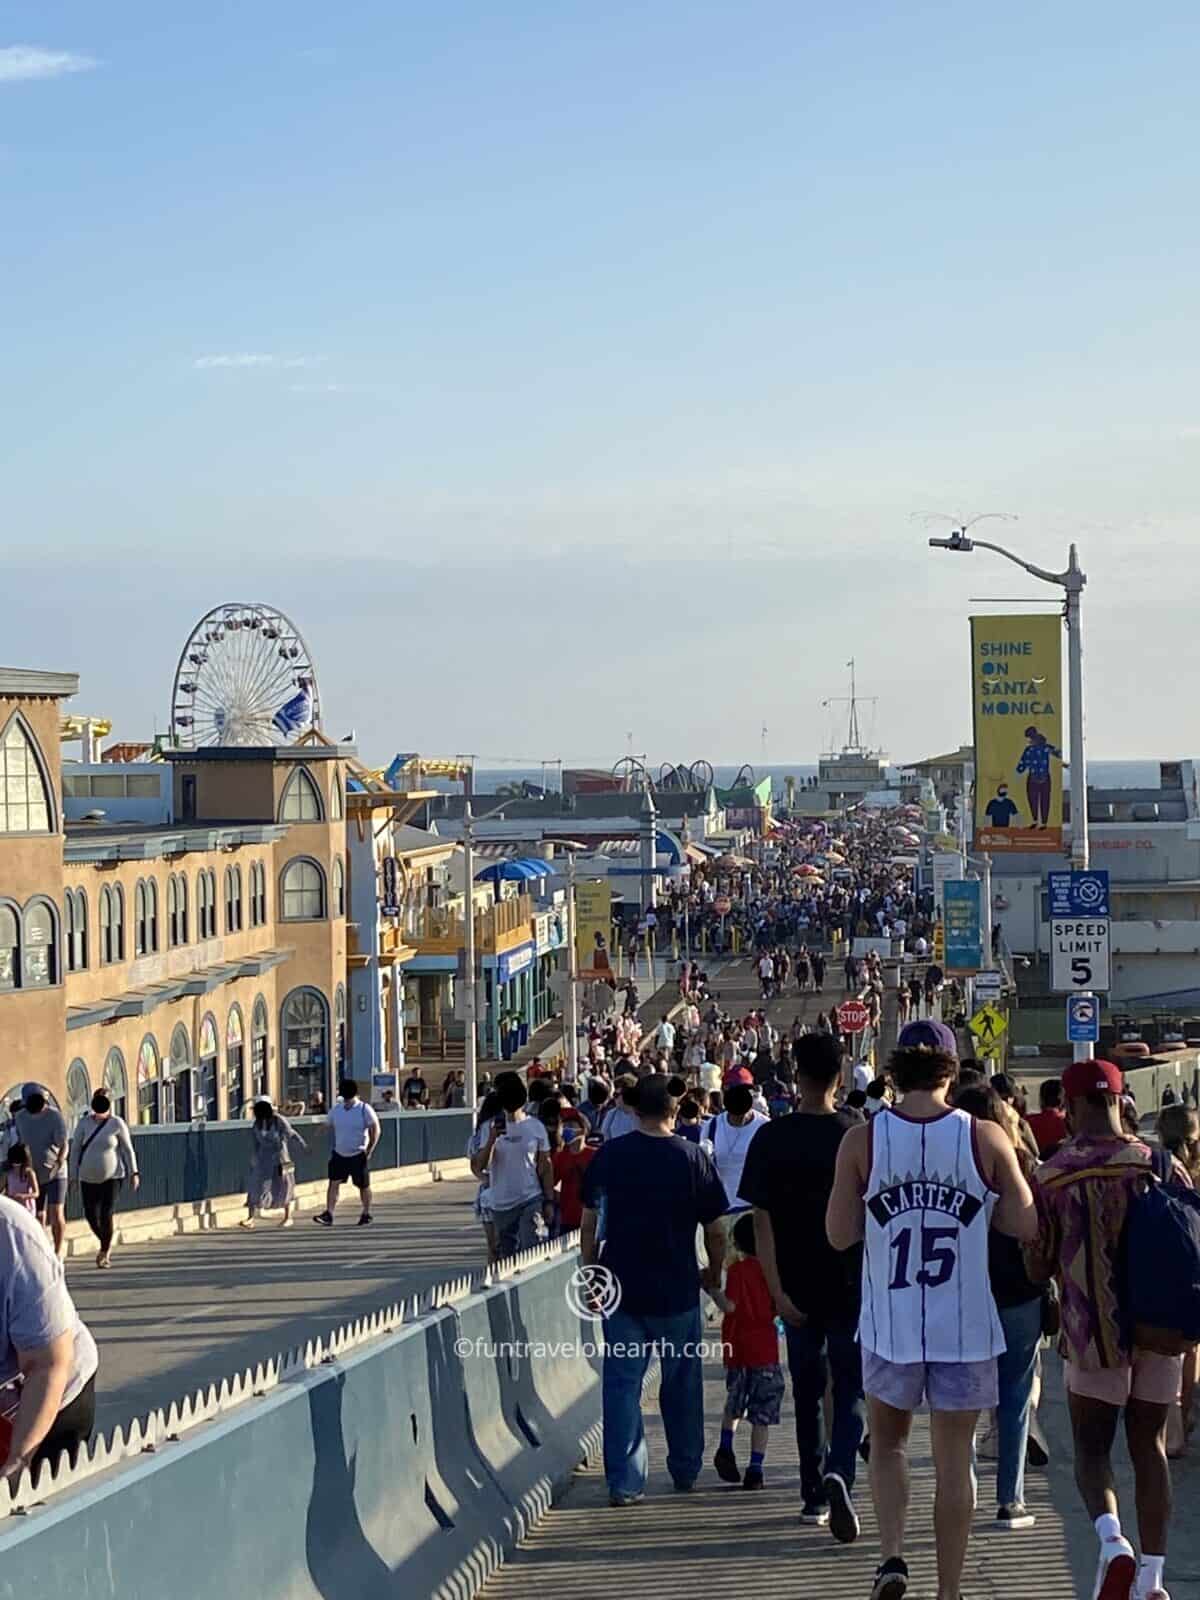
[(921, 1184)]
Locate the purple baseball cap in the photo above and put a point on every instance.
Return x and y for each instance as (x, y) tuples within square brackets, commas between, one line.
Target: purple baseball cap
[(928, 1035)]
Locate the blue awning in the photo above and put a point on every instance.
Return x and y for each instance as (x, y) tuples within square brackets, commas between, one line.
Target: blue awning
[(518, 871)]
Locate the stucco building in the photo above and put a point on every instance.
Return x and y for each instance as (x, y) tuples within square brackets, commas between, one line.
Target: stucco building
[(186, 965)]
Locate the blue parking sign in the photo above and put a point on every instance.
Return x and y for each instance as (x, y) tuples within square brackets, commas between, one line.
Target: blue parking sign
[(1083, 1019), (1078, 894)]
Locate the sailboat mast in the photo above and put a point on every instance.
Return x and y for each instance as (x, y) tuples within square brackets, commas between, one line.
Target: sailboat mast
[(853, 739)]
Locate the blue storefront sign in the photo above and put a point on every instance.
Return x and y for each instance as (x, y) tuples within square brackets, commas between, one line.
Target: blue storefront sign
[(963, 921), (1083, 1019), (513, 962), (1078, 894)]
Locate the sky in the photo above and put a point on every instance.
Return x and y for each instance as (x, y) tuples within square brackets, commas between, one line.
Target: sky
[(574, 372)]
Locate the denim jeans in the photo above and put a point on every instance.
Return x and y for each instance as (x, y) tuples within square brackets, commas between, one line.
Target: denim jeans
[(681, 1398), (519, 1228), (814, 1352), (1023, 1334)]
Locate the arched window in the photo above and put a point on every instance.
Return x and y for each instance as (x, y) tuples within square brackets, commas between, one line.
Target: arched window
[(206, 905), (116, 1084), (208, 1066), (304, 1042), (39, 945), (302, 891), (10, 947), (337, 809), (178, 1095), (339, 887), (25, 803), (235, 1064), (177, 909), (301, 800), (233, 899), (141, 920), (339, 1027), (259, 1025), (112, 924), (77, 930), (262, 894), (151, 916), (149, 1082), (79, 1093)]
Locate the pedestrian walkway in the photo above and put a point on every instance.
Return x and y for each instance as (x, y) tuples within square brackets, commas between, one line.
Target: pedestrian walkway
[(727, 1544)]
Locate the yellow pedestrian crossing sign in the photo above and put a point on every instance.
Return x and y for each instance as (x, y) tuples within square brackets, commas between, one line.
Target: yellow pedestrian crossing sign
[(988, 1023)]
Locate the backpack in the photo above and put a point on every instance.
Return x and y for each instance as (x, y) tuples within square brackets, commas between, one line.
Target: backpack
[(1159, 1277)]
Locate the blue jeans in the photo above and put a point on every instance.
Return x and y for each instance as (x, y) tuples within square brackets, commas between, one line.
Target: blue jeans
[(814, 1352), (1023, 1334), (681, 1399)]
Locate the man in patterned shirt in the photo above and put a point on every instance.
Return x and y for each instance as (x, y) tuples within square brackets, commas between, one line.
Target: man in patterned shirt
[(1083, 1194)]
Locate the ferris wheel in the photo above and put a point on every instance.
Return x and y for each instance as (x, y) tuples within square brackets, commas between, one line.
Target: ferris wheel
[(245, 677)]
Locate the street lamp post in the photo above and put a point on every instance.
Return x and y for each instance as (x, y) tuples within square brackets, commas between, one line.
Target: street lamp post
[(471, 1042), (572, 977), (1072, 582)]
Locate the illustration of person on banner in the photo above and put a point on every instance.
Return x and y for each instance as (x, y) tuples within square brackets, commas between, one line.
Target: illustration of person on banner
[(1035, 762)]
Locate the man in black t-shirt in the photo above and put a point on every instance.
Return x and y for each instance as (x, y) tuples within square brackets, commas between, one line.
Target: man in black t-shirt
[(655, 1190), (788, 1178)]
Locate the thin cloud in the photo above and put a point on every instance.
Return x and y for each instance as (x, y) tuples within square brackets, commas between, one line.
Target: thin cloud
[(23, 63), (324, 388), (247, 358)]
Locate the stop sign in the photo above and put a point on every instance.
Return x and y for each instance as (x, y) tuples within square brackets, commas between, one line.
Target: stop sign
[(852, 1016), (722, 905)]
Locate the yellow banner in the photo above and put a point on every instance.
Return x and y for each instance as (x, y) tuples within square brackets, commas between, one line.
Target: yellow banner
[(1016, 677), (593, 929)]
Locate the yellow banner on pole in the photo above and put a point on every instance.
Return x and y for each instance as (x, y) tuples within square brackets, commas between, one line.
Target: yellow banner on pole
[(1016, 682), (593, 929)]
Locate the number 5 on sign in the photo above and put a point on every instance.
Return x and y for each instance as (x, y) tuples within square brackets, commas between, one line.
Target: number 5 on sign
[(1079, 954)]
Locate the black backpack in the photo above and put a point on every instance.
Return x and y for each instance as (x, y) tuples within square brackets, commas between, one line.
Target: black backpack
[(1159, 1279)]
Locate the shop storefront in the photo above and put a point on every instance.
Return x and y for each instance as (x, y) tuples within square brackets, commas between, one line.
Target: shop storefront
[(509, 986), (549, 937)]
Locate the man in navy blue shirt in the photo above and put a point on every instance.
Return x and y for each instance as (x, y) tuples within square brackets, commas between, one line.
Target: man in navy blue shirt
[(654, 1190)]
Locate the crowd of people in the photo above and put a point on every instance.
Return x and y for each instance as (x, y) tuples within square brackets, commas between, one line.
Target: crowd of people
[(922, 1255)]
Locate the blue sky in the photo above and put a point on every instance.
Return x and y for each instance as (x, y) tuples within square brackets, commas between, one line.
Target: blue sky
[(574, 369)]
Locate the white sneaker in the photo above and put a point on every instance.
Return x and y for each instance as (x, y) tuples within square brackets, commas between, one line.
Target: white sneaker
[(1117, 1571)]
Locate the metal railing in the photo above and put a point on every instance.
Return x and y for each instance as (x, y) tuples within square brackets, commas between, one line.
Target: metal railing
[(188, 1164)]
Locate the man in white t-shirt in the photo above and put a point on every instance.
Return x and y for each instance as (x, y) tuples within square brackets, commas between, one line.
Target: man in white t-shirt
[(731, 1134), (520, 1176), (664, 1035), (710, 1076), (353, 1135)]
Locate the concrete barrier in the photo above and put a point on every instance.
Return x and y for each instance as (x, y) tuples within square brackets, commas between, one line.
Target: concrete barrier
[(395, 1460)]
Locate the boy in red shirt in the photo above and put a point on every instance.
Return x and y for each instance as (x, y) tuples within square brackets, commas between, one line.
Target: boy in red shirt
[(753, 1376), (570, 1162)]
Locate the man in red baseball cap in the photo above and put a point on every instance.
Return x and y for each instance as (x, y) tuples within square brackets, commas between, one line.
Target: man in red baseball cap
[(1083, 1193)]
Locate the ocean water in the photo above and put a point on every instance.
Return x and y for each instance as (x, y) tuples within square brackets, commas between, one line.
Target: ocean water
[(1101, 774)]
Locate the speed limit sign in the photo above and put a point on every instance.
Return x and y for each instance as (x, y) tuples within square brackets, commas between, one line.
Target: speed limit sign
[(1079, 955)]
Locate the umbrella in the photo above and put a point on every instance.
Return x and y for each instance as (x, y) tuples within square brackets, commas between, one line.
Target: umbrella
[(807, 871), (838, 861)]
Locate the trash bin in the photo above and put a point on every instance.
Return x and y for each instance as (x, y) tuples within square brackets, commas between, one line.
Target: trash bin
[(522, 1035)]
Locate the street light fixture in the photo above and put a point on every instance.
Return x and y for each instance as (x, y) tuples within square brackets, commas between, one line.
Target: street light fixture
[(1072, 581), (471, 1042)]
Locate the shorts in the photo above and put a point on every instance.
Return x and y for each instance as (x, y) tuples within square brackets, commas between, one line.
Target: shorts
[(352, 1167), (53, 1192), (755, 1393), (1150, 1377), (946, 1385)]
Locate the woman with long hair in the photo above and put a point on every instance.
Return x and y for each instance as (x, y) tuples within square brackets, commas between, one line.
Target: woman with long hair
[(272, 1185)]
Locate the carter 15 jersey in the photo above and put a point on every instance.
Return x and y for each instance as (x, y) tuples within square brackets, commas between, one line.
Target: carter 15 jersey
[(926, 1291)]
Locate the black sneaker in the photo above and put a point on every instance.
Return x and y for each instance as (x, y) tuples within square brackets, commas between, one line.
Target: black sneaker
[(1014, 1517), (727, 1468), (891, 1580), (323, 1219), (813, 1515), (364, 1220), (753, 1478), (843, 1519), (864, 1448), (684, 1488)]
